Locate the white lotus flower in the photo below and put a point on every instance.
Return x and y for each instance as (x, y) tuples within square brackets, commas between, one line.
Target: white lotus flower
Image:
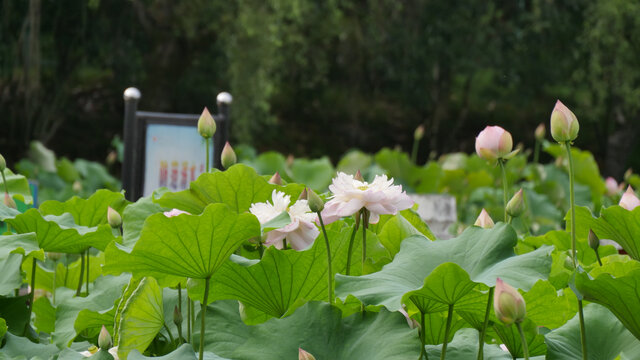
[(113, 351), (350, 195), (174, 212), (300, 233)]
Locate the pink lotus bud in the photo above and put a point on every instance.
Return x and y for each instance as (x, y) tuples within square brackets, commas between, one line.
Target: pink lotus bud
[(515, 206), (104, 339), (612, 186), (540, 132), (113, 218), (493, 143), (629, 199), (358, 176), (410, 321), (303, 355), (206, 124), (174, 212), (290, 160), (8, 201), (564, 123), (484, 220), (303, 194), (419, 133), (276, 179), (508, 304), (228, 156)]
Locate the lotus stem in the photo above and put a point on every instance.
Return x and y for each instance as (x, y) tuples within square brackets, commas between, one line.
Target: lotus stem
[(365, 226), (414, 151), (206, 150), (446, 332), (422, 336), (505, 187), (53, 286), (87, 285), (171, 338), (189, 309), (583, 334), (33, 289), (203, 313), (180, 310), (536, 151), (329, 271), (485, 324), (351, 240), (80, 280), (598, 257), (525, 349)]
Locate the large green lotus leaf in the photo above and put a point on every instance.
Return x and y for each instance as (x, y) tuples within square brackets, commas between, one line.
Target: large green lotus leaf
[(192, 246), (548, 307), (15, 312), (70, 310), (485, 254), (607, 338), (11, 278), (61, 233), (615, 223), (7, 212), (45, 315), (316, 173), (18, 187), (561, 240), (315, 327), (141, 318), (396, 229), (89, 212), (239, 187), (435, 323), (397, 165), (619, 294), (270, 162), (283, 279), (70, 273), (3, 328), (465, 346), (511, 338), (16, 346), (185, 351), (133, 219), (24, 244), (446, 284)]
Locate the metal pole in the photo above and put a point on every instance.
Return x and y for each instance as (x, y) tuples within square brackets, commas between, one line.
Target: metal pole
[(224, 100), (129, 174)]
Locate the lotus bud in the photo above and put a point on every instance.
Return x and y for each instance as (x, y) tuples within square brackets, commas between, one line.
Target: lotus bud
[(594, 242), (290, 160), (419, 133), (611, 185), (177, 316), (629, 199), (564, 123), (540, 132), (568, 263), (303, 195), (77, 186), (276, 179), (206, 124), (494, 143), (627, 174), (314, 201), (228, 156), (104, 339), (508, 304), (303, 355), (8, 201), (112, 156), (3, 163), (484, 220), (358, 176), (113, 218), (515, 206)]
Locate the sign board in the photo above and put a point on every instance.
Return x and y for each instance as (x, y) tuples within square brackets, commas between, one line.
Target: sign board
[(165, 149), (438, 211)]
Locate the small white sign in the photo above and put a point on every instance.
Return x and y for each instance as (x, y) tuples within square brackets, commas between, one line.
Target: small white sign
[(438, 211)]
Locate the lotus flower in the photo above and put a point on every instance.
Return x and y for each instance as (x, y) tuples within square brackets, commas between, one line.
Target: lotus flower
[(493, 143), (300, 233), (564, 123), (350, 195), (174, 212), (612, 186), (484, 220), (629, 199), (508, 303), (303, 355)]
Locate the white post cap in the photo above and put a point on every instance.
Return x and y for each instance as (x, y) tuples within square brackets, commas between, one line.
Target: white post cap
[(132, 93), (224, 98)]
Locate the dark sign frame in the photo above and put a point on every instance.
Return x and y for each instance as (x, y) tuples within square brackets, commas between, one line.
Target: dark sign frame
[(135, 135)]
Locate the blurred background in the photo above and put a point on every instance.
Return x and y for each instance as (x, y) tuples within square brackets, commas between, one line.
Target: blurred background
[(321, 77)]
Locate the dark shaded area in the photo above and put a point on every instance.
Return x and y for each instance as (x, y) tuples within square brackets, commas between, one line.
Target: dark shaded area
[(320, 77)]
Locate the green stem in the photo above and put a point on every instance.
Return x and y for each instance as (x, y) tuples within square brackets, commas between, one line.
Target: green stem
[(329, 271), (180, 311), (193, 315), (598, 257), (4, 181), (583, 333), (203, 313), (170, 335), (353, 236), (446, 332), (504, 187), (485, 324), (525, 348), (33, 289), (414, 151), (53, 286), (66, 269), (536, 152), (87, 285), (79, 290), (422, 336), (206, 150), (189, 320), (365, 226)]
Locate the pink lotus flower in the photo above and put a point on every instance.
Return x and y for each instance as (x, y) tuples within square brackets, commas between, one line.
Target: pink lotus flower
[(564, 123), (174, 212), (303, 355), (629, 199), (493, 143), (484, 220), (612, 186), (508, 303), (300, 233), (350, 195)]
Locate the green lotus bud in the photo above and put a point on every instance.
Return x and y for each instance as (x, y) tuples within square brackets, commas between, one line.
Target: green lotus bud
[(206, 124), (276, 179), (564, 123), (515, 206), (8, 201), (508, 304), (568, 263), (113, 218), (594, 242), (228, 156), (303, 355), (104, 339), (314, 201), (177, 316), (540, 132), (484, 220), (3, 163), (419, 133)]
